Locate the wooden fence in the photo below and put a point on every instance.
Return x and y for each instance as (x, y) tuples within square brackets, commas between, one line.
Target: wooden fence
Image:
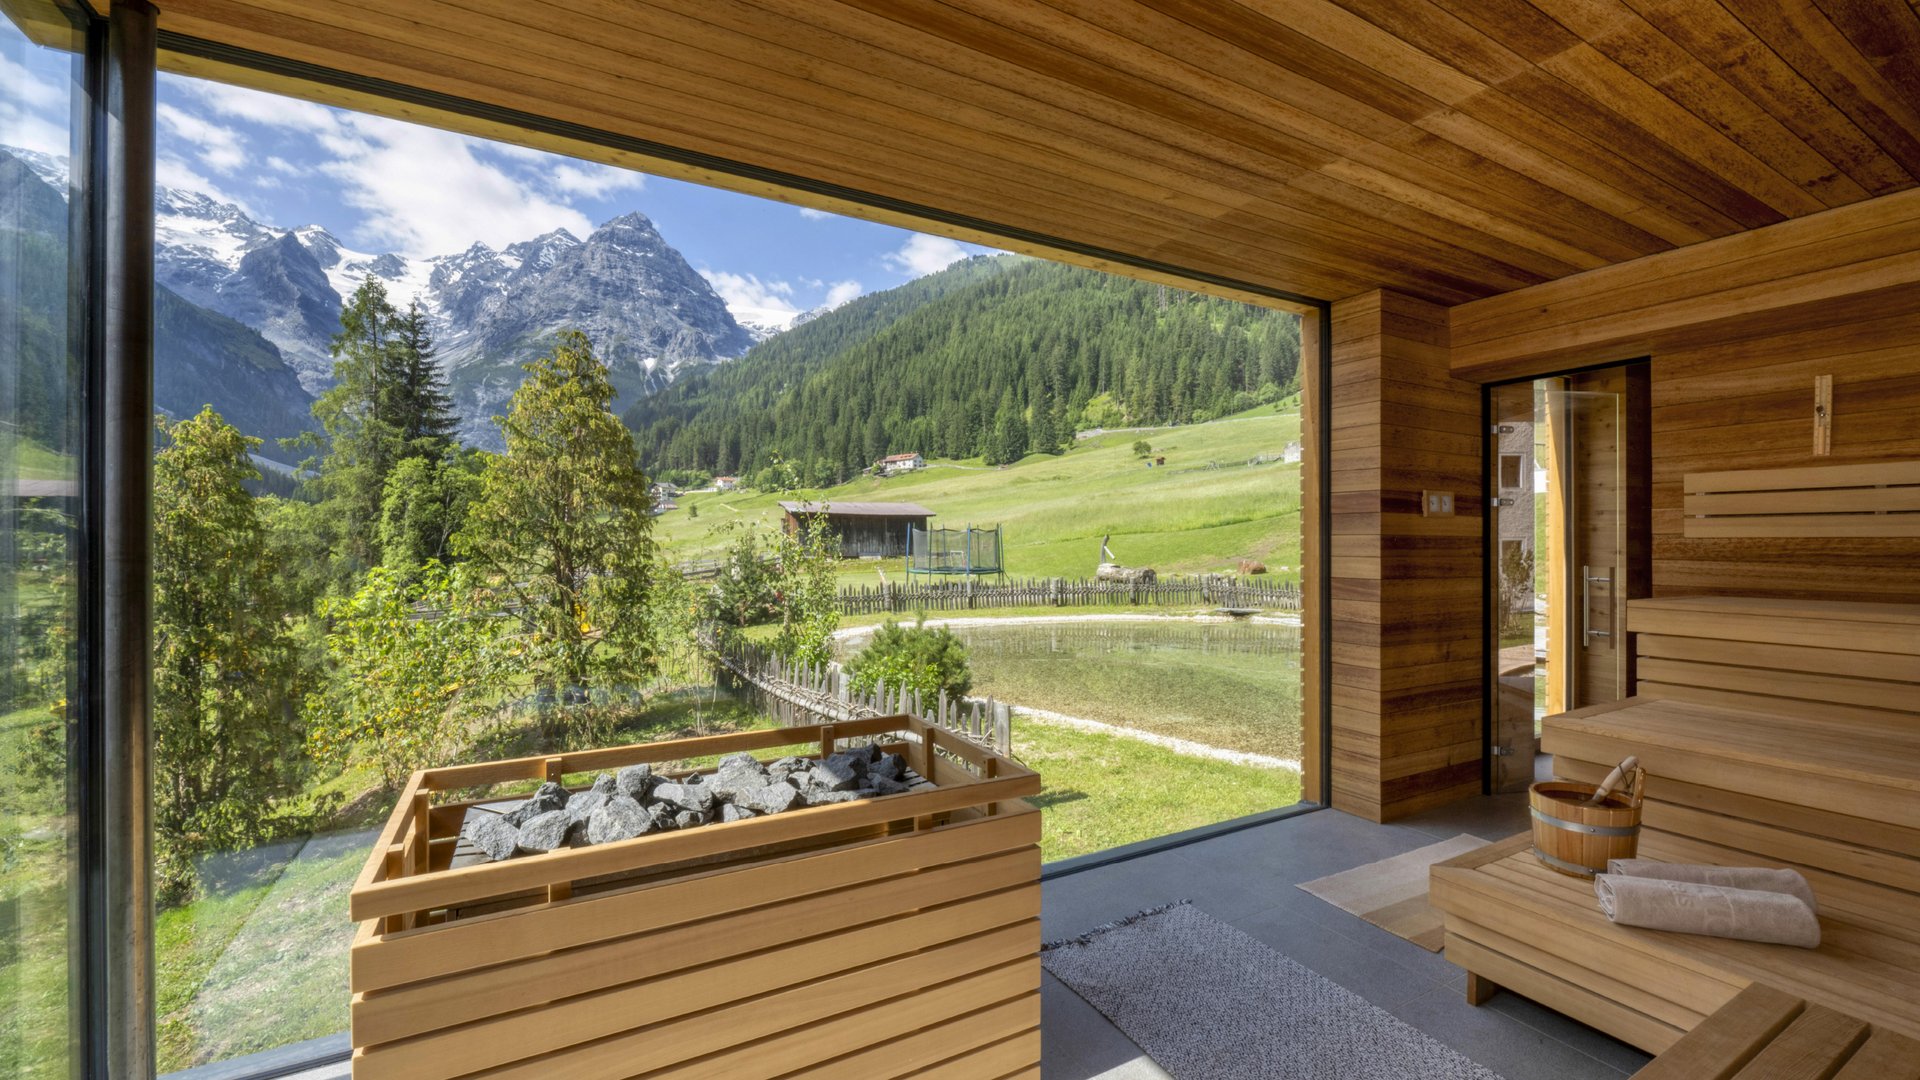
[(1223, 592), (797, 695)]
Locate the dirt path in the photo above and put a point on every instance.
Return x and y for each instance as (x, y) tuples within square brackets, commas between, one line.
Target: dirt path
[(1178, 746), (851, 632)]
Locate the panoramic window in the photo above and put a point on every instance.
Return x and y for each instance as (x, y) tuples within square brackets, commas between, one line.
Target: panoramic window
[(39, 482), (466, 452)]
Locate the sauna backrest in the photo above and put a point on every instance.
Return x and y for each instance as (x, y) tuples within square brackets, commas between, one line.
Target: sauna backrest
[(1841, 659)]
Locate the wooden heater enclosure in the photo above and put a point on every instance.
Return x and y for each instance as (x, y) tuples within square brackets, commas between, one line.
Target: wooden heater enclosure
[(891, 937)]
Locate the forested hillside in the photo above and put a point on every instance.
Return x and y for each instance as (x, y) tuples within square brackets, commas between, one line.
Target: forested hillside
[(995, 357)]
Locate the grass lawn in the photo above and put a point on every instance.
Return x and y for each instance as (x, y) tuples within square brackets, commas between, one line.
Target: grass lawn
[(1101, 791), (1186, 517)]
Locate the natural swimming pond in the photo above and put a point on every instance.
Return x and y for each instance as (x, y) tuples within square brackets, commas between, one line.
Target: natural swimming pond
[(1231, 685), (1228, 686)]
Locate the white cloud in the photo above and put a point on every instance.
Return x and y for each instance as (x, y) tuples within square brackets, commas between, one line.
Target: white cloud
[(811, 214), (767, 303), (282, 165), (29, 89), (21, 128), (923, 254), (843, 291), (591, 179), (268, 109), (429, 192), (170, 171), (217, 146)]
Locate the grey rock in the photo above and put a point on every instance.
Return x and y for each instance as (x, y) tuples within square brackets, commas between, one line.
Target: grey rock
[(635, 781), (663, 817), (853, 759), (605, 784), (698, 798), (619, 818), (577, 833), (549, 798), (887, 767), (827, 798), (735, 776), (787, 768), (835, 774), (770, 799), (584, 804), (494, 836), (688, 819), (544, 832), (884, 786), (730, 812)]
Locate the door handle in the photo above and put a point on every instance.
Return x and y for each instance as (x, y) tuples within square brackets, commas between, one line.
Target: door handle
[(1588, 579)]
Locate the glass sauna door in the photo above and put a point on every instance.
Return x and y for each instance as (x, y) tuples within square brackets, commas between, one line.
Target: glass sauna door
[(1558, 523)]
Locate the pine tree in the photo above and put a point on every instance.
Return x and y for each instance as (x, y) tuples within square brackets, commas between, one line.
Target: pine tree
[(564, 523), (426, 416)]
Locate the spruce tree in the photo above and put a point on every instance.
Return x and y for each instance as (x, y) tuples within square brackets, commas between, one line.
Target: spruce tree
[(363, 421), (426, 417)]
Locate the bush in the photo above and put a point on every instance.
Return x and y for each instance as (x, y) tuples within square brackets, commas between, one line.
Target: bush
[(927, 660), (1141, 448)]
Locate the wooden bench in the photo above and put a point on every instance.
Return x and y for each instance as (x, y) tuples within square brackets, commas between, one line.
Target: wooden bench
[(1774, 733), (1766, 1034)]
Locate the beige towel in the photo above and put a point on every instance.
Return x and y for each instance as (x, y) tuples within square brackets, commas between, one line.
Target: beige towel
[(1715, 910), (1733, 877)]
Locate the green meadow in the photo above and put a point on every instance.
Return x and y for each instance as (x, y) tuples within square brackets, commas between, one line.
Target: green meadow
[(1203, 511)]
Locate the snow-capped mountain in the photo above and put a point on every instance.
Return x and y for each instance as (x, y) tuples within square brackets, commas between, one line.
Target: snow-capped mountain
[(201, 357), (647, 312)]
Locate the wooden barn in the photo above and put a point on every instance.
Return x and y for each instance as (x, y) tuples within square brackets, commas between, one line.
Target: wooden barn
[(867, 530)]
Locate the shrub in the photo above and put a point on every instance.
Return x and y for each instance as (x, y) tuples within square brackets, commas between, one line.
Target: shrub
[(1141, 448), (923, 659)]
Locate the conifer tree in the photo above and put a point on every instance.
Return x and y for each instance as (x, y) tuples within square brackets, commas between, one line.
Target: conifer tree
[(426, 408), (363, 421)]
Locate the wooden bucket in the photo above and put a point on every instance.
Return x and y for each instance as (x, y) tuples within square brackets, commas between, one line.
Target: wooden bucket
[(1578, 839)]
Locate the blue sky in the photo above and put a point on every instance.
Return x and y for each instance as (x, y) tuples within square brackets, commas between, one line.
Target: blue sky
[(381, 185)]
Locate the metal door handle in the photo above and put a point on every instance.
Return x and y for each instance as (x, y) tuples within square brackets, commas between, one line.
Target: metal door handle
[(1587, 581)]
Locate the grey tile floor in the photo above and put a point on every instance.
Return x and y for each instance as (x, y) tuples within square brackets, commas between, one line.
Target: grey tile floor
[(1247, 879)]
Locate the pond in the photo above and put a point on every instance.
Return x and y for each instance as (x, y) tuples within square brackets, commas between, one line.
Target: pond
[(1229, 693), (1229, 685)]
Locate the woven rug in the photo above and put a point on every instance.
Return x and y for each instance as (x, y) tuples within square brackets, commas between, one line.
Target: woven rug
[(1208, 1002), (1392, 893)]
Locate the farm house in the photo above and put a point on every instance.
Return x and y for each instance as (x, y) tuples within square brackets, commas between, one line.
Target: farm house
[(867, 530)]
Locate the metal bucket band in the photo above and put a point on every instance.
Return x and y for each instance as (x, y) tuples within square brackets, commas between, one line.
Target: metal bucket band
[(1590, 830), (1562, 864)]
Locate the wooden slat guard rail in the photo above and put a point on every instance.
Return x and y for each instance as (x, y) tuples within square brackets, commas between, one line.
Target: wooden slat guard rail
[(1844, 501)]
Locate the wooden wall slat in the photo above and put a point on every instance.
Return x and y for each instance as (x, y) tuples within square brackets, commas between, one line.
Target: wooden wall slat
[(1405, 623)]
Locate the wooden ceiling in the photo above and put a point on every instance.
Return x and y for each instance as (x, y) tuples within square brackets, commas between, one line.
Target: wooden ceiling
[(1451, 149)]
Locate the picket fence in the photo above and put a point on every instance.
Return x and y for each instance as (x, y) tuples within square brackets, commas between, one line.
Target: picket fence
[(1227, 592), (795, 695)]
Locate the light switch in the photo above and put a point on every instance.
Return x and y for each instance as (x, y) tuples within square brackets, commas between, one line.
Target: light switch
[(1437, 504)]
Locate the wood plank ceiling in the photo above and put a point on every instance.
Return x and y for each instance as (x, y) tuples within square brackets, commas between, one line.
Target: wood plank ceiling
[(1450, 149)]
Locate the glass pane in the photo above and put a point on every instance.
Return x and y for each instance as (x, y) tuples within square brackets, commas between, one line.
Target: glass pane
[(39, 442), (388, 538)]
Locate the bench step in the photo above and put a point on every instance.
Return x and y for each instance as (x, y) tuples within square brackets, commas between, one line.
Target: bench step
[(1768, 1034)]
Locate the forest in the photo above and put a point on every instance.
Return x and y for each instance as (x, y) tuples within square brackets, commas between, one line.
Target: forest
[(994, 358)]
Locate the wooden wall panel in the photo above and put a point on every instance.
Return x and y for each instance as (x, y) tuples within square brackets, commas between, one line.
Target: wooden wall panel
[(1749, 405), (1405, 623)]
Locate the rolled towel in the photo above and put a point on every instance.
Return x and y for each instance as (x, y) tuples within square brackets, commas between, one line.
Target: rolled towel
[(1714, 910), (1733, 877)]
